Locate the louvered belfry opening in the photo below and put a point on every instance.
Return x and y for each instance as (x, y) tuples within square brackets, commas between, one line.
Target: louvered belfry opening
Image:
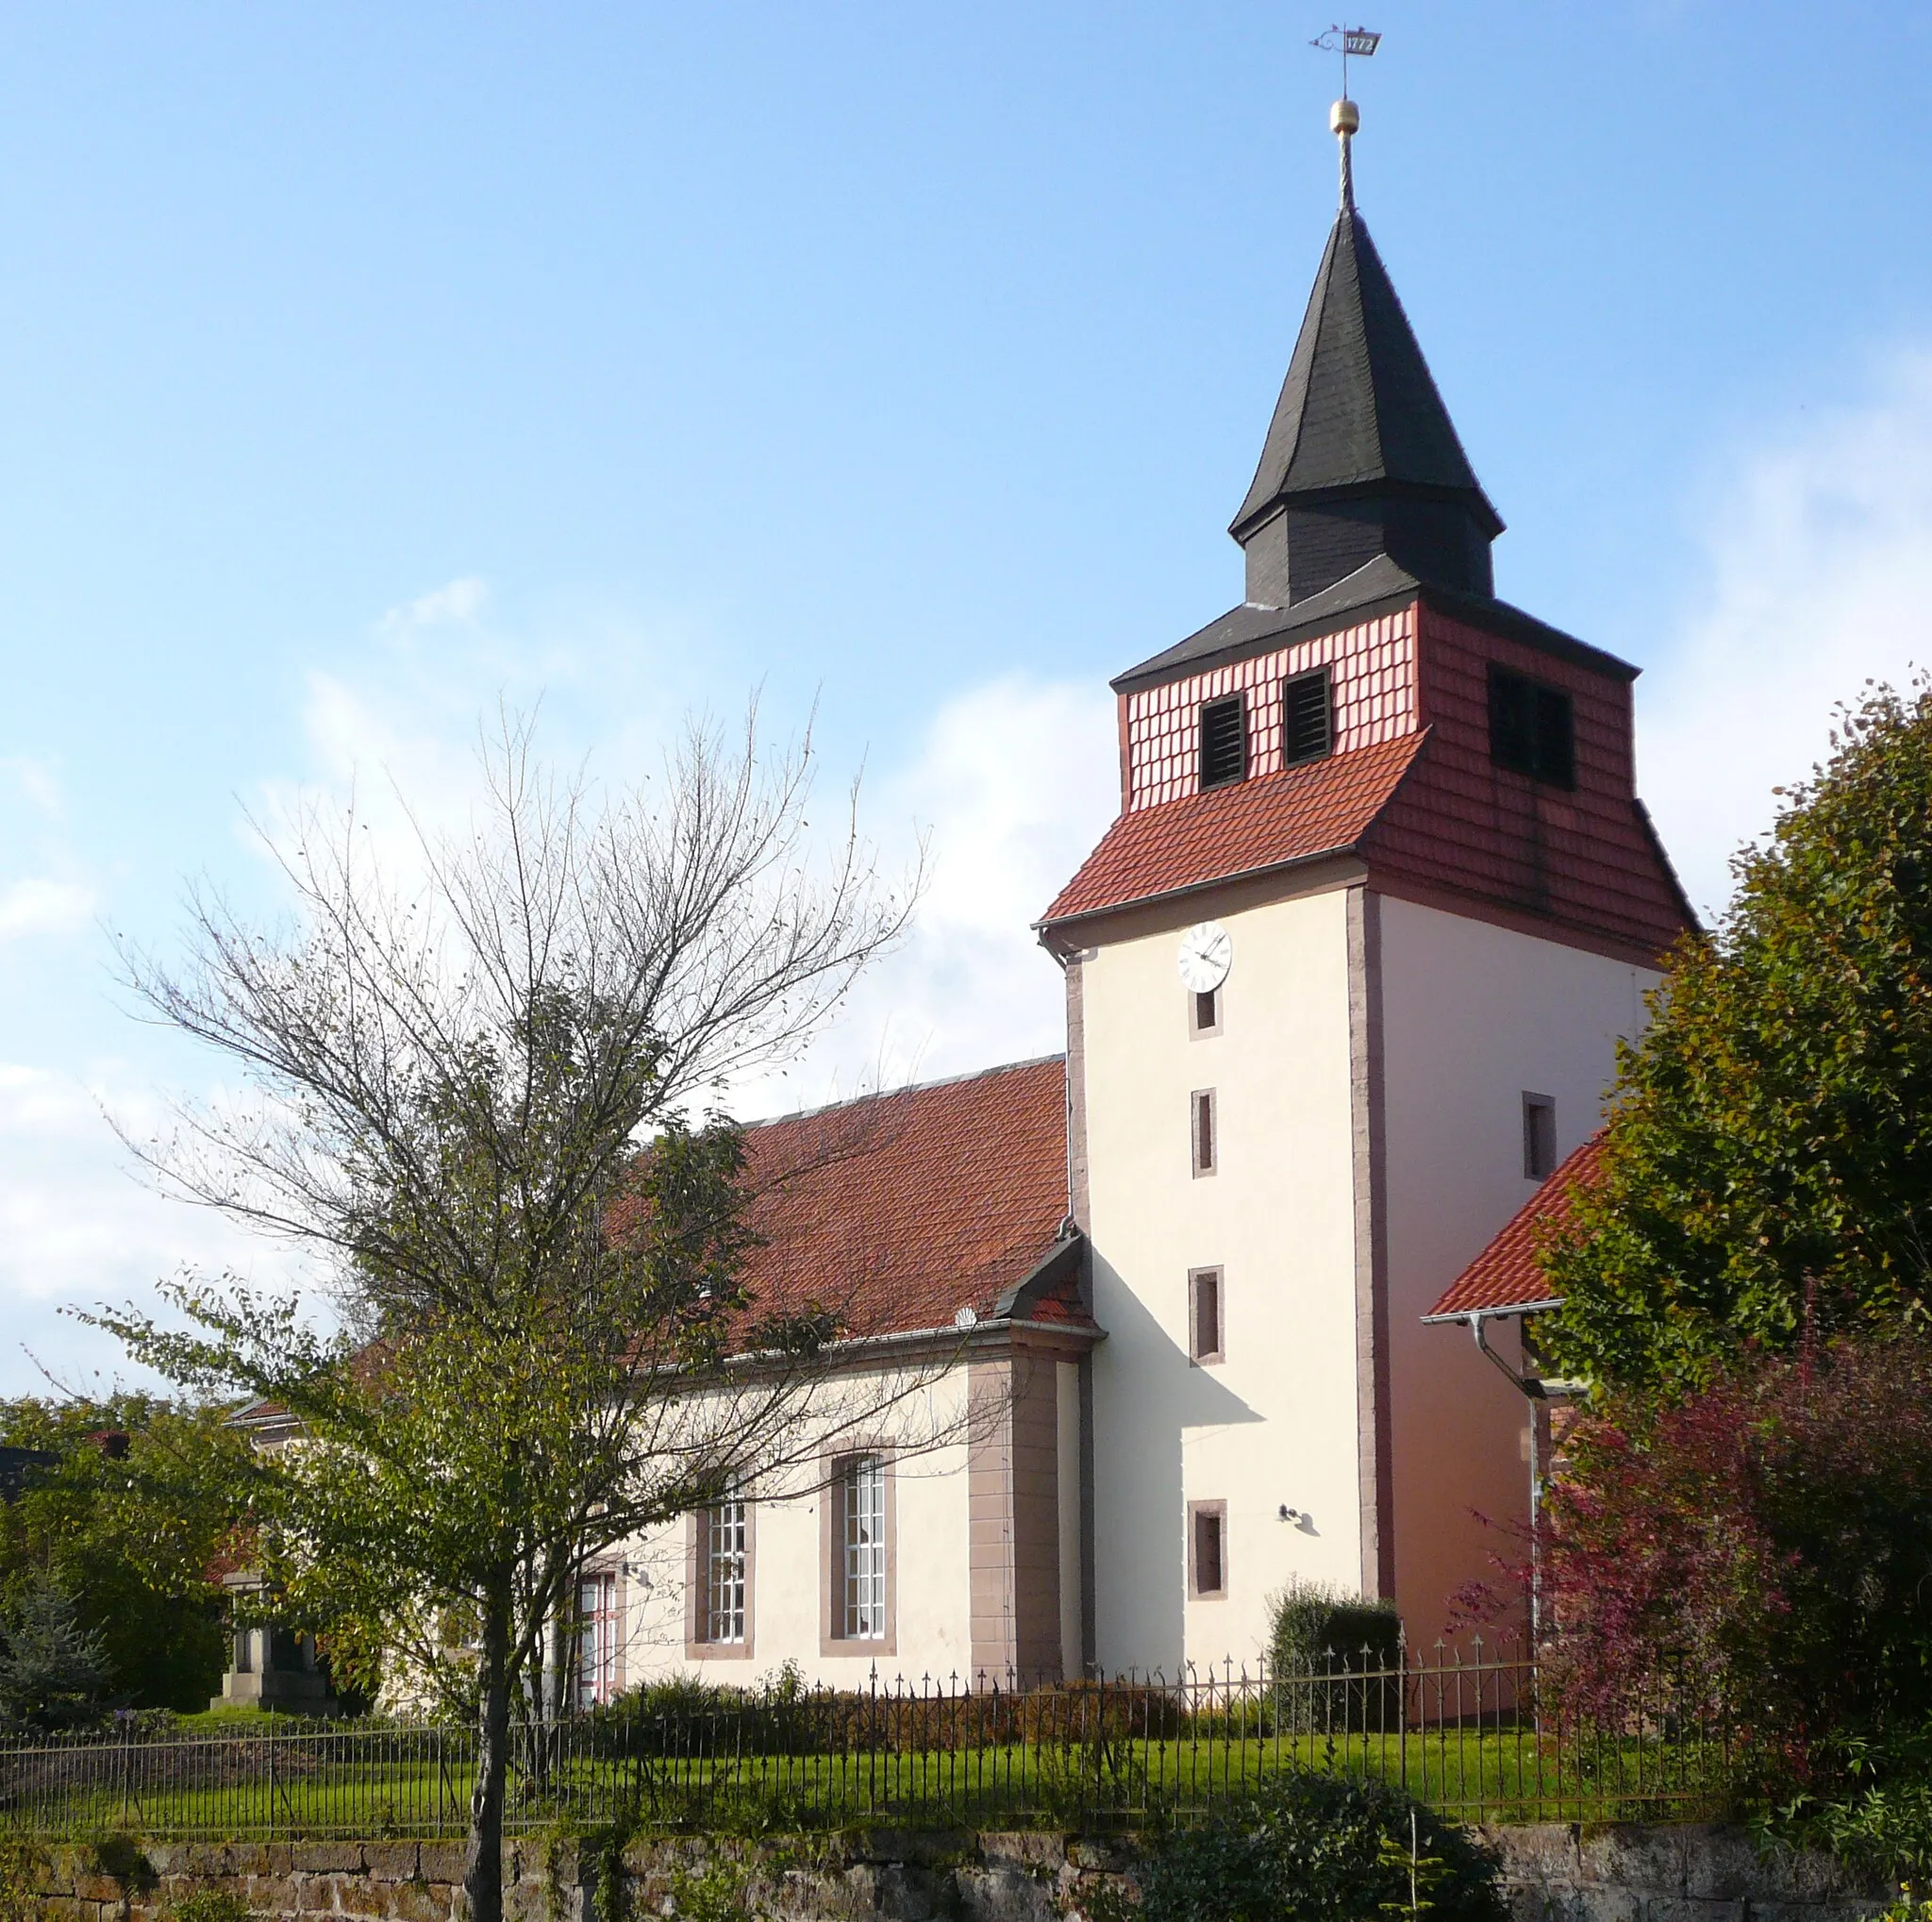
[(1532, 728), (1224, 741), (1307, 732)]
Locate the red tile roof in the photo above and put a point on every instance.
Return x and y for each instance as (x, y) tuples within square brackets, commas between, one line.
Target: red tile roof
[(1583, 857), (1505, 1273), (1321, 808), (1426, 811), (900, 1209)]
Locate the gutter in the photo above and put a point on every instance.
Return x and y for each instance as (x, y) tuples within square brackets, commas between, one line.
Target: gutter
[(1044, 929), (1537, 1387)]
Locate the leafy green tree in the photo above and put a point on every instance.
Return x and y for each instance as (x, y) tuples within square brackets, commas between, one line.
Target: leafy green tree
[(1769, 1159), (548, 1346), (135, 1521)]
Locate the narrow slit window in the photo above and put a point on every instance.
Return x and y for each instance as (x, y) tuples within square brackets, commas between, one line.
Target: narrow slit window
[(1207, 1017), (1204, 1312), (1224, 741), (1208, 1550), (1207, 1131), (1532, 728), (1538, 1137), (1307, 732)]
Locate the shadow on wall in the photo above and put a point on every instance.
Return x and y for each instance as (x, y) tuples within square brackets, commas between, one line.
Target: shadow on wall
[(1140, 1622)]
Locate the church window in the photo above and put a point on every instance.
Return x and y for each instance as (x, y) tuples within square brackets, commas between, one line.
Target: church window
[(1532, 728), (1208, 1550), (1205, 1332), (1538, 1137), (1224, 741), (598, 1663), (1204, 1017), (723, 1569), (861, 1540), (1206, 1144), (1305, 731)]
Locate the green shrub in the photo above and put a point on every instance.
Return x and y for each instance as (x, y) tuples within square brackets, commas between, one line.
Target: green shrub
[(1875, 1812), (1909, 1907), (1309, 1623), (1316, 1632), (1314, 1847)]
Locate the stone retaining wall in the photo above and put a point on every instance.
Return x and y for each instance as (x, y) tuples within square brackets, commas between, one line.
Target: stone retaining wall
[(1682, 1872), (1554, 1874)]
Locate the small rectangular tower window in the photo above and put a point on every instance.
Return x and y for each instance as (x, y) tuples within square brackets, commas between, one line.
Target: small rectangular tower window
[(1205, 1127), (1207, 1550), (1538, 1137), (1532, 728), (1224, 741), (1204, 1330), (1305, 731), (1204, 1014)]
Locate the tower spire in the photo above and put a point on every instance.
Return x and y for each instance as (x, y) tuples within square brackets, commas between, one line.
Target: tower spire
[(1361, 460)]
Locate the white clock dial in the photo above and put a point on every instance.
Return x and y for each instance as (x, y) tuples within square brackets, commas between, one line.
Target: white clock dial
[(1206, 954)]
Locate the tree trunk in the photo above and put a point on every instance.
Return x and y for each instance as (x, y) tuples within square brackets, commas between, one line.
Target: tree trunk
[(483, 1864)]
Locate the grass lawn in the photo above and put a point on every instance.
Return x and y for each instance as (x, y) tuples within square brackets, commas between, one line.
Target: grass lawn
[(416, 1782)]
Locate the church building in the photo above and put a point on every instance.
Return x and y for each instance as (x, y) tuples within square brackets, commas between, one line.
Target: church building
[(1344, 983)]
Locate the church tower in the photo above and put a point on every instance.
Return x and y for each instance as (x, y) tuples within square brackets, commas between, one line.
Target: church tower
[(1344, 982)]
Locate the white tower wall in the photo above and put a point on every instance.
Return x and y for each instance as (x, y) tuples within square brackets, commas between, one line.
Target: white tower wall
[(1277, 1422)]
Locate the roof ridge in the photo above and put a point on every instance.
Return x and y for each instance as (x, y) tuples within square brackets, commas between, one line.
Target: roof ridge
[(907, 1088)]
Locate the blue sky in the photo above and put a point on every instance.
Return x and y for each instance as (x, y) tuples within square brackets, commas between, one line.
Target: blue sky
[(360, 364)]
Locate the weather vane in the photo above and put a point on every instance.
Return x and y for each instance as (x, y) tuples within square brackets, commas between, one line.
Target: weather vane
[(1345, 117), (1345, 40)]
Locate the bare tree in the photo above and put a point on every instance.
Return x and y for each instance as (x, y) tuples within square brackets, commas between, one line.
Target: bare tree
[(473, 1089)]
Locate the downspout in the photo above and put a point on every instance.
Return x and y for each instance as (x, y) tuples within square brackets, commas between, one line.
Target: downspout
[(1538, 1393)]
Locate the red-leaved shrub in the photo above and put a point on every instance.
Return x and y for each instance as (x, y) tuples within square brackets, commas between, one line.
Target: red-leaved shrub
[(1764, 1546)]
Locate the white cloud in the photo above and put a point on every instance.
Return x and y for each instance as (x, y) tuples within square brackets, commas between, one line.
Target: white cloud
[(42, 906), (456, 602), (1013, 784), (1819, 548), (38, 781), (76, 1227)]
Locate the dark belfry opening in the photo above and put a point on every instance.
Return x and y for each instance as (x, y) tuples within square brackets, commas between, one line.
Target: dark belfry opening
[(1224, 741), (1306, 731), (1532, 728)]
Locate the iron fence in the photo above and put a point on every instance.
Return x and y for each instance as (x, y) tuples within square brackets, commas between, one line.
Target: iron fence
[(1465, 1732)]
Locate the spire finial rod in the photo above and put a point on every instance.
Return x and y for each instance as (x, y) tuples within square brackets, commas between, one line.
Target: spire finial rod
[(1345, 117)]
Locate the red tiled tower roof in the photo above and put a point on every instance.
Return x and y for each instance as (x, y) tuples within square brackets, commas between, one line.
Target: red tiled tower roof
[(1506, 1274), (1273, 821), (1412, 790)]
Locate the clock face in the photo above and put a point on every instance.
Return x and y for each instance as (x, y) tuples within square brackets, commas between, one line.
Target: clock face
[(1206, 954)]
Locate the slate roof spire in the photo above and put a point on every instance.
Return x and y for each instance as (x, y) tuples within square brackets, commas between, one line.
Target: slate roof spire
[(1362, 457)]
